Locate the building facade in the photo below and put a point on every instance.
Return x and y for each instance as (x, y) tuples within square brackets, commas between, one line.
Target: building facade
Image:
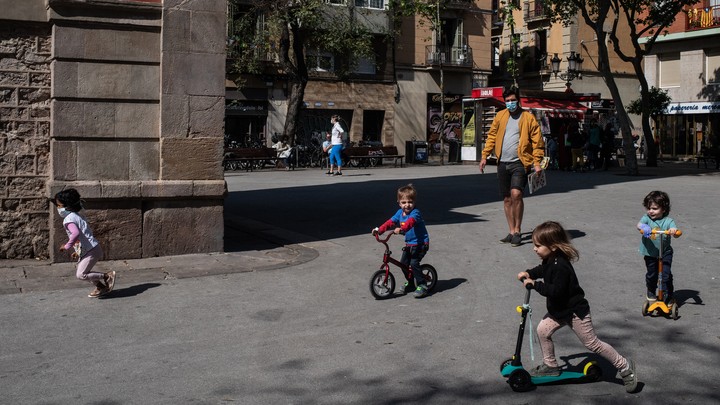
[(686, 63), (124, 101)]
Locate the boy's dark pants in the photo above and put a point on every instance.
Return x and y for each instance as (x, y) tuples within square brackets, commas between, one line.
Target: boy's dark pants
[(412, 255), (651, 277)]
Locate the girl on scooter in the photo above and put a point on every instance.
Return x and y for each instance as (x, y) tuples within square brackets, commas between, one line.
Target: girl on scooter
[(566, 303)]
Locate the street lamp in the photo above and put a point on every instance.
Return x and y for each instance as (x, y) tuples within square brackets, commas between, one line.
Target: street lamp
[(574, 69)]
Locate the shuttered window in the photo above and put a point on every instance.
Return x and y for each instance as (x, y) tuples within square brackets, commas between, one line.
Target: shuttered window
[(669, 70)]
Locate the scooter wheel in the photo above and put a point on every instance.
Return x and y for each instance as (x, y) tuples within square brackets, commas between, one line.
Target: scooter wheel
[(505, 364), (592, 372), (645, 307), (520, 381), (674, 311)]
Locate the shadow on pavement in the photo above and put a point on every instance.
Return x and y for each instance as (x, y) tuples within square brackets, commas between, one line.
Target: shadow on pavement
[(130, 291)]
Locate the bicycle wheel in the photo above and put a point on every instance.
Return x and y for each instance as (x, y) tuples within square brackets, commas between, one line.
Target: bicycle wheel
[(380, 288), (430, 275)]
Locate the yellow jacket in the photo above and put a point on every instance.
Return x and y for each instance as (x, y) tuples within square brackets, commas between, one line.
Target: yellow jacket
[(531, 146)]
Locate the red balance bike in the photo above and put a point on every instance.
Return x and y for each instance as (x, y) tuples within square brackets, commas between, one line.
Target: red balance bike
[(382, 283), (659, 306)]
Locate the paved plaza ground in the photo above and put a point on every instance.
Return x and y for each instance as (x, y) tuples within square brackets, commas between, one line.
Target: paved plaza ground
[(284, 316)]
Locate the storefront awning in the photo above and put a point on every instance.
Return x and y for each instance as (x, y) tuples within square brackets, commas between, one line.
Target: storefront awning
[(555, 108)]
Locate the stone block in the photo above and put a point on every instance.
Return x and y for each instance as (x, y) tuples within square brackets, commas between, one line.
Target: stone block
[(191, 159), (7, 164), (137, 120), (65, 79), (117, 190), (194, 74), (144, 161), (166, 188), (18, 187), (100, 160), (87, 189), (14, 79), (25, 164), (218, 6), (145, 82), (63, 160), (176, 31), (208, 33), (175, 116), (207, 116), (26, 10), (8, 96), (209, 188), (40, 79), (182, 227), (97, 120)]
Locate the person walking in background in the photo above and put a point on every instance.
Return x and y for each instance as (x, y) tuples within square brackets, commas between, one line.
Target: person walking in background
[(657, 204), (608, 144), (577, 141), (87, 250), (515, 139), (337, 146), (566, 303), (408, 220), (594, 142), (327, 148)]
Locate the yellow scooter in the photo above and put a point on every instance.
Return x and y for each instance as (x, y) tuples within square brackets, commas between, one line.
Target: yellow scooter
[(658, 306)]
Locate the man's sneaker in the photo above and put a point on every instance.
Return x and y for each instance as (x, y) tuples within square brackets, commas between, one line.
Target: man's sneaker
[(405, 288), (629, 377), (421, 291), (651, 296), (110, 280), (516, 240), (544, 370), (506, 239)]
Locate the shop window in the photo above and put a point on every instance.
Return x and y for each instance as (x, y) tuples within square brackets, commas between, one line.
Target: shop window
[(712, 67), (669, 70)]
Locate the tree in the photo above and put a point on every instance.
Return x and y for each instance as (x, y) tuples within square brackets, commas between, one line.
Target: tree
[(644, 18), (291, 27), (657, 102)]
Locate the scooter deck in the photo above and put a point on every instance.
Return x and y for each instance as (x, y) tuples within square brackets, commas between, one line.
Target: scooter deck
[(540, 380)]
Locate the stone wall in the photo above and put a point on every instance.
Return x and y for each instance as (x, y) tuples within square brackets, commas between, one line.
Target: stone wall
[(24, 139), (124, 101)]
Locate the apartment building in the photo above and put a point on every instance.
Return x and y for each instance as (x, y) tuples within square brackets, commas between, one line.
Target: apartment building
[(364, 99), (576, 90), (686, 63)]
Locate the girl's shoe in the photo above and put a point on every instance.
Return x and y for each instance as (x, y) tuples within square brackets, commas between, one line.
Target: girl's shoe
[(110, 280), (545, 370), (629, 377)]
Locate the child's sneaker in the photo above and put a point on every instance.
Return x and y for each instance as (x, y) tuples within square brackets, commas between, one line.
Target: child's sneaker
[(421, 291), (651, 296), (629, 377), (405, 288), (544, 370), (98, 291), (110, 280)]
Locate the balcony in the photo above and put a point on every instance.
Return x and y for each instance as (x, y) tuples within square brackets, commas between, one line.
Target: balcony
[(701, 18), (448, 56), (536, 11)]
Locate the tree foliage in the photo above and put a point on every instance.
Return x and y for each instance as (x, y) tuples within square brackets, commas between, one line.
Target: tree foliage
[(645, 19), (658, 102)]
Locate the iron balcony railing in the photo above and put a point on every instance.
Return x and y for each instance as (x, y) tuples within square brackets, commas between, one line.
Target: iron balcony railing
[(536, 10), (703, 17), (448, 55)]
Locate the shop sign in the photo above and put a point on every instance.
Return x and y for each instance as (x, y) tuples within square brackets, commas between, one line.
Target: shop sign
[(487, 92), (693, 108)]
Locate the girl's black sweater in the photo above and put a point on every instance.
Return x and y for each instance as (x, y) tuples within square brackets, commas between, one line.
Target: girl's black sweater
[(560, 285)]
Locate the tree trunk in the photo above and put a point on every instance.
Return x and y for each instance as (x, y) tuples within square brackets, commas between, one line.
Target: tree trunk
[(651, 151), (296, 95)]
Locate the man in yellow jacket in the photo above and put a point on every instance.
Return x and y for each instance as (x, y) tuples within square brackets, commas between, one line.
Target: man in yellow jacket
[(515, 139)]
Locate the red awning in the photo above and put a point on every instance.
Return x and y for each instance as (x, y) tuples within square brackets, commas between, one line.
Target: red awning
[(555, 108)]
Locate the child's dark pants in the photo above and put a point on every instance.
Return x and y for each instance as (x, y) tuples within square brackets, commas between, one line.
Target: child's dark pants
[(651, 277), (412, 255)]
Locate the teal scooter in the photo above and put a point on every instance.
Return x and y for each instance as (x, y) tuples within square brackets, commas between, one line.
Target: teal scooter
[(520, 379)]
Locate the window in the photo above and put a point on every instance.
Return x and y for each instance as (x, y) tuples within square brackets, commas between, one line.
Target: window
[(379, 4), (669, 70), (712, 67), (365, 66), (340, 2), (319, 61)]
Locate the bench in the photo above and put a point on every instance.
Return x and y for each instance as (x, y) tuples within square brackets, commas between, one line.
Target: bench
[(371, 156), (249, 158)]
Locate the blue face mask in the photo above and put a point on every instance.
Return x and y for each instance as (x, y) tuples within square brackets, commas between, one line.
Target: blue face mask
[(511, 105)]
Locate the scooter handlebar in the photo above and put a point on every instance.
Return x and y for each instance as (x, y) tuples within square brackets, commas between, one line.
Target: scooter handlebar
[(678, 232), (527, 286)]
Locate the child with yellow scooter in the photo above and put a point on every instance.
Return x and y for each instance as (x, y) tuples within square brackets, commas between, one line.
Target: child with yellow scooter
[(657, 227)]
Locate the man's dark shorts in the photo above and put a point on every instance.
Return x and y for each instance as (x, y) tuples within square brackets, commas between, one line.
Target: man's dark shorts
[(511, 175)]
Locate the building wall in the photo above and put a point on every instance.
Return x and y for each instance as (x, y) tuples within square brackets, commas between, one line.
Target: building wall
[(24, 136), (124, 101)]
